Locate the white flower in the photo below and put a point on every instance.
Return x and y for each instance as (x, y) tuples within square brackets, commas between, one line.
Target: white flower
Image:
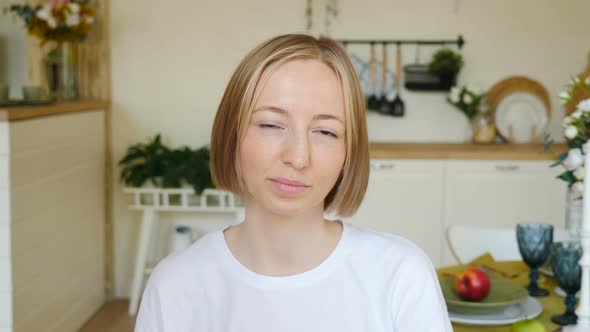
[(586, 147), (52, 23), (574, 160), (575, 81), (564, 97), (474, 89), (72, 20), (577, 114), (584, 105), (566, 121), (571, 132), (579, 173), (74, 7), (578, 188), (45, 14), (454, 95), (467, 99)]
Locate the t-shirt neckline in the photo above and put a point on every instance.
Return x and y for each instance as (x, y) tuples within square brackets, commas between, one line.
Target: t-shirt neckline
[(258, 280)]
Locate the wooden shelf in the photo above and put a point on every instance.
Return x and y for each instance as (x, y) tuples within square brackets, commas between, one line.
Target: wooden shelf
[(18, 113), (464, 151)]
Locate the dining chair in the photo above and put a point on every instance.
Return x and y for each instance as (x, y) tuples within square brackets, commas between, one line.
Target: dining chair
[(468, 242)]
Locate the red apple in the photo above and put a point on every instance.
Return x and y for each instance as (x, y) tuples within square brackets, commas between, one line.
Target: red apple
[(472, 284)]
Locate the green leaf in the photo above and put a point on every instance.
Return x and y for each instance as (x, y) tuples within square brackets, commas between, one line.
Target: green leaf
[(567, 176), (166, 167)]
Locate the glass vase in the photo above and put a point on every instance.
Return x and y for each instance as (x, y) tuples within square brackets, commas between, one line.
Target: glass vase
[(62, 71), (483, 126), (574, 215)]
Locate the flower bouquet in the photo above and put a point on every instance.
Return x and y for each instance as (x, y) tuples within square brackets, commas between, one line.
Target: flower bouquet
[(64, 23), (57, 20), (466, 99), (576, 129)]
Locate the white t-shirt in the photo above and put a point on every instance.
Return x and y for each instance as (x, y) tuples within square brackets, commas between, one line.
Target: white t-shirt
[(371, 282)]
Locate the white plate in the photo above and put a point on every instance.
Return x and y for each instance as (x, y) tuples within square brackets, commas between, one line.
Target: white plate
[(527, 309), (562, 293), (522, 110)]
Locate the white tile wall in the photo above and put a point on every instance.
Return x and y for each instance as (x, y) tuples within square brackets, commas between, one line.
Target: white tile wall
[(3, 171), (5, 232), (4, 206), (4, 143), (5, 260), (5, 309), (5, 242), (5, 275)]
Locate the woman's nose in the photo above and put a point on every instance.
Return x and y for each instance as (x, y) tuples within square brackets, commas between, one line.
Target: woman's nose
[(296, 152)]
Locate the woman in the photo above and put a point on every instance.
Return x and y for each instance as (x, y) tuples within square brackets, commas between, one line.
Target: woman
[(290, 138)]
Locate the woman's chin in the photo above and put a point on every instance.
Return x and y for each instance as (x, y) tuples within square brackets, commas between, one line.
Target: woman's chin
[(291, 208)]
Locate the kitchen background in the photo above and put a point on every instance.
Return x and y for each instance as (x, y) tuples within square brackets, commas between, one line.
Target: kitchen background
[(171, 60)]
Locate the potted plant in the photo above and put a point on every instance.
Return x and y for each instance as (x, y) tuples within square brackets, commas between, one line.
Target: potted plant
[(466, 99), (163, 167), (446, 64)]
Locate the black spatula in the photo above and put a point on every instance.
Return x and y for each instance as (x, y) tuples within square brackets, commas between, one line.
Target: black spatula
[(373, 102)]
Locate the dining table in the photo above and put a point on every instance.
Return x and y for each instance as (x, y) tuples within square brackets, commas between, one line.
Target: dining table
[(516, 272)]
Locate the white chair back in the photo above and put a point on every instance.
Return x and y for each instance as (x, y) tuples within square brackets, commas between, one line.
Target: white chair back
[(468, 242)]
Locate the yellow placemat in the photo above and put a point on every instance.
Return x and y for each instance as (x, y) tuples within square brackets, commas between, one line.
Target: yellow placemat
[(518, 273)]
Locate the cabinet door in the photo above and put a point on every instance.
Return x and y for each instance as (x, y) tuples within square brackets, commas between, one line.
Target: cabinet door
[(405, 198), (502, 194)]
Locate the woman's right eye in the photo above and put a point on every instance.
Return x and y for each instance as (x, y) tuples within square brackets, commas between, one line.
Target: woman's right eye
[(268, 125)]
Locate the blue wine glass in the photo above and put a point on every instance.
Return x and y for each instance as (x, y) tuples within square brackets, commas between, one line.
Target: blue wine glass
[(534, 242), (565, 263)]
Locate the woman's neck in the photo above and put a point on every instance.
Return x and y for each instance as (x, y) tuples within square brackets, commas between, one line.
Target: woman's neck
[(282, 245)]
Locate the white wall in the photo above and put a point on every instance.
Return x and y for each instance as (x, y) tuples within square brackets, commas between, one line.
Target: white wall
[(5, 243), (171, 61)]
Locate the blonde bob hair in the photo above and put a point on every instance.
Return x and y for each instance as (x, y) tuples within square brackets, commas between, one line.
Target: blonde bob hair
[(243, 89)]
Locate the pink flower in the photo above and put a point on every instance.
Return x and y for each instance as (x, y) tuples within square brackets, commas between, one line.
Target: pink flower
[(58, 3)]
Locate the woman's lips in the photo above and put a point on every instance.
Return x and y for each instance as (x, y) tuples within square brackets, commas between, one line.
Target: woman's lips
[(289, 186)]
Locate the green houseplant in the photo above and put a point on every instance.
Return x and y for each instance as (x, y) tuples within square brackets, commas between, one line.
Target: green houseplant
[(154, 162), (447, 64)]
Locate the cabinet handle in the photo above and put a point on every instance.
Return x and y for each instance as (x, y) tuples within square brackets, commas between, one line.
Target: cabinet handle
[(507, 168), (382, 166)]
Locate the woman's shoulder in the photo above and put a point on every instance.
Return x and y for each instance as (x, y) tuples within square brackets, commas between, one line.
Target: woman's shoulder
[(390, 249)]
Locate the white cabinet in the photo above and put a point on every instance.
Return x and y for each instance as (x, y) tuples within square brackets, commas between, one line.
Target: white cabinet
[(501, 194), (419, 199), (405, 197)]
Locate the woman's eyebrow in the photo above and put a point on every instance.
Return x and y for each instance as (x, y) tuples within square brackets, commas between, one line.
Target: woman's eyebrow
[(284, 112)]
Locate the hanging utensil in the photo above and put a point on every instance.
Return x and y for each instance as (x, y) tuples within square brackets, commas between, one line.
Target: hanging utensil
[(373, 101), (386, 106), (398, 104)]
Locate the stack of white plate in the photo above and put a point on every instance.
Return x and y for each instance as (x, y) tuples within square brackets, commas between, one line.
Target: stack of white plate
[(507, 303)]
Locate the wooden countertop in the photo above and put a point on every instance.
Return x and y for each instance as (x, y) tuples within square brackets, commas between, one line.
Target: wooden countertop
[(18, 113), (464, 151)]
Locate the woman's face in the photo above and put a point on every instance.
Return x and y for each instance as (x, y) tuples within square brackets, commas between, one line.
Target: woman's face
[(294, 147)]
